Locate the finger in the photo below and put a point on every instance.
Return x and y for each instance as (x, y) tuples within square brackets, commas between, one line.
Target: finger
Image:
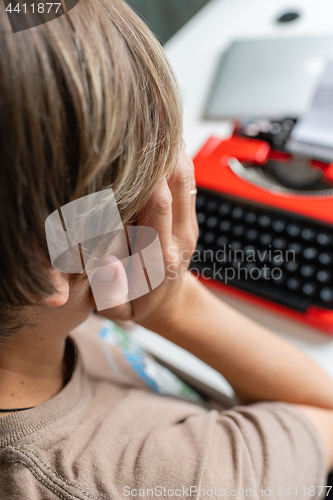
[(109, 287), (158, 214), (180, 186)]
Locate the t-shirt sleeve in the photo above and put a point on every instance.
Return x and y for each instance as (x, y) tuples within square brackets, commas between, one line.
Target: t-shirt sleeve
[(257, 451)]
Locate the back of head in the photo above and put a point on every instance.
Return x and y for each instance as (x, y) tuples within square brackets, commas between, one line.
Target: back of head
[(87, 101)]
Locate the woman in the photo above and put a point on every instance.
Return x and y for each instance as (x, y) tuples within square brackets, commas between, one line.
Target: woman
[(88, 102)]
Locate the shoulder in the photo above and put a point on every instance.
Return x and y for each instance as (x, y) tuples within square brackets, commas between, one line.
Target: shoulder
[(144, 441)]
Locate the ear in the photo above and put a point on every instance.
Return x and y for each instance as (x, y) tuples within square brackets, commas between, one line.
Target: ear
[(61, 283)]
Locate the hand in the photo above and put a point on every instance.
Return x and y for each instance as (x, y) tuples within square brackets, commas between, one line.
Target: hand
[(171, 211)]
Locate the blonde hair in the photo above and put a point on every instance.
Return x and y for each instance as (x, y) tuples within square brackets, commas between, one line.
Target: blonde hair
[(88, 101)]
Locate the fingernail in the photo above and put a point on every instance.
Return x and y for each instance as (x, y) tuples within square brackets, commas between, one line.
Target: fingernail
[(107, 271)]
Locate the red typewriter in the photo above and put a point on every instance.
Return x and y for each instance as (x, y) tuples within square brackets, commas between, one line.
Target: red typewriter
[(266, 221)]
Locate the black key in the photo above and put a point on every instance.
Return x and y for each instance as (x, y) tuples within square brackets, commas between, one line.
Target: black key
[(288, 124), (200, 201), (199, 249), (295, 248), (263, 256), (294, 284), (324, 239), (310, 253), (293, 230), (237, 213), (225, 226), (278, 225), (235, 245), (251, 234), (277, 261), (201, 218), (238, 230), (326, 294), (291, 266), (250, 251), (308, 234), (275, 128), (307, 271), (309, 289), (250, 217), (326, 259), (265, 273), (275, 294), (279, 244), (264, 220), (265, 239), (324, 276), (224, 209), (278, 277), (279, 139), (236, 263), (221, 241), (250, 266), (212, 222), (209, 238), (221, 256), (254, 272), (211, 206)]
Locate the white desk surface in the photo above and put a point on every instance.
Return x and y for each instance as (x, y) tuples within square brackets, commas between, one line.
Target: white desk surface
[(194, 52)]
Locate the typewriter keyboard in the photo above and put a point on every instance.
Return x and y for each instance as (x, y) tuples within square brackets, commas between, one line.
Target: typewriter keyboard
[(278, 256)]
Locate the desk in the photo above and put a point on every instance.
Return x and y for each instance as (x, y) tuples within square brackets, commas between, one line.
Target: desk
[(194, 52)]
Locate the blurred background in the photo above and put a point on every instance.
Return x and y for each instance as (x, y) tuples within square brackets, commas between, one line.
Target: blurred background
[(165, 17)]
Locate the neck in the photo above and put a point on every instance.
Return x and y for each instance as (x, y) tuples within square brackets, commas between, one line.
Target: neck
[(32, 370), (35, 363)]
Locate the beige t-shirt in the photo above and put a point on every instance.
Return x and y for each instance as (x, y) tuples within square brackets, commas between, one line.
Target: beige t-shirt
[(121, 428)]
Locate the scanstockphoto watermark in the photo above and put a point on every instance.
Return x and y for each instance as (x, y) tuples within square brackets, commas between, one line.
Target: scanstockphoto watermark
[(188, 491), (24, 15), (223, 492), (227, 264)]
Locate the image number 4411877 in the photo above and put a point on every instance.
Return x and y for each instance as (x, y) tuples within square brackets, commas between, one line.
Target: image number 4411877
[(24, 15)]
